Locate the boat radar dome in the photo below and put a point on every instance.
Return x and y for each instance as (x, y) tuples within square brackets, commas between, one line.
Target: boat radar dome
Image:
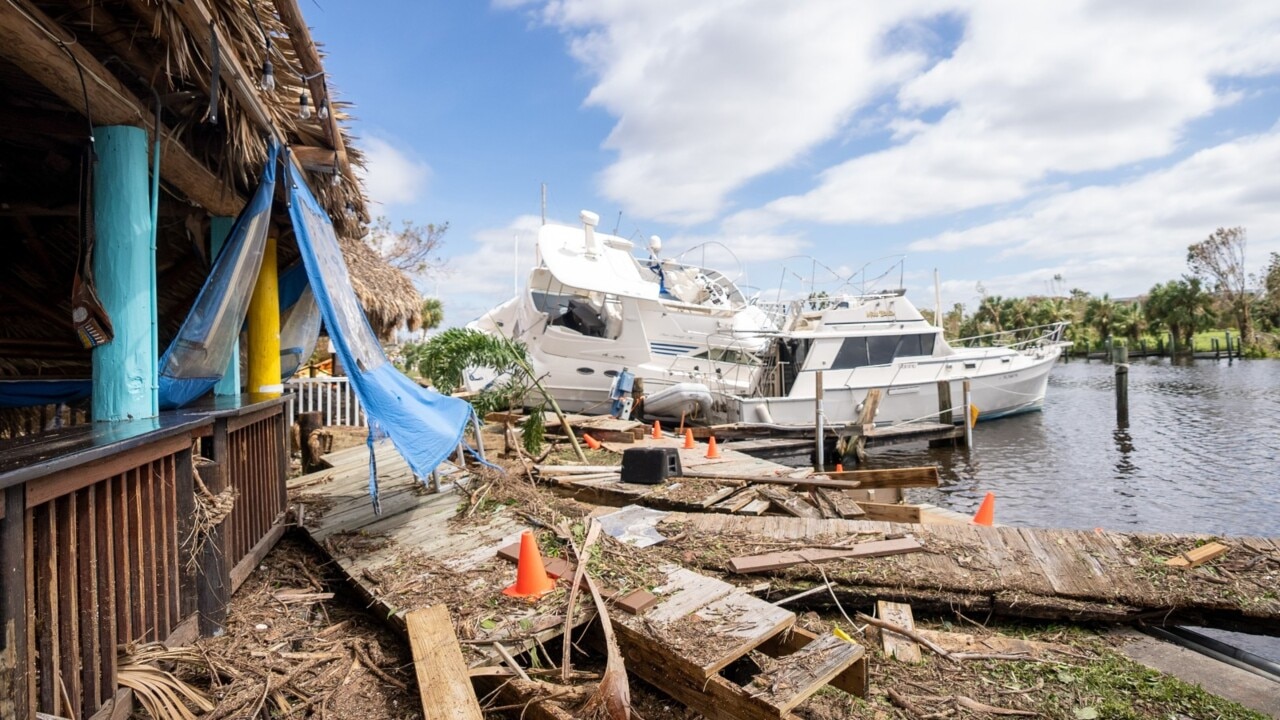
[(589, 222), (655, 245)]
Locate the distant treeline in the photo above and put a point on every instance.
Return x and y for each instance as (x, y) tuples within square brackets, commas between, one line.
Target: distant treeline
[(1216, 293)]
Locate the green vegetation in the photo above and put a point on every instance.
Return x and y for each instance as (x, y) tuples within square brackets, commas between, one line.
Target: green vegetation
[(1186, 314)]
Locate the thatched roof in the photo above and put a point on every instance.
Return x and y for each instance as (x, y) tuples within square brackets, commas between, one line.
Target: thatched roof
[(135, 53)]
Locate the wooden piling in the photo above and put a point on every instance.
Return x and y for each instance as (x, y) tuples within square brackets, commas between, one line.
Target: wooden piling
[(944, 402), (1229, 355), (968, 415), (1122, 386), (819, 463)]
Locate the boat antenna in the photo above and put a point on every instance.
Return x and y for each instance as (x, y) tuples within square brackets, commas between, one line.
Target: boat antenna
[(617, 224), (544, 203), (937, 299)]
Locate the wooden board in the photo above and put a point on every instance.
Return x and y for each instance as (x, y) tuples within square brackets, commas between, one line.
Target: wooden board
[(801, 674), (890, 512), (914, 477), (853, 679), (1198, 556), (443, 682), (898, 646), (785, 559), (789, 503), (843, 505)]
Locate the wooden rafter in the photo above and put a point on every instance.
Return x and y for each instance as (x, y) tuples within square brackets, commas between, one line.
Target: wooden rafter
[(305, 48), (29, 40)]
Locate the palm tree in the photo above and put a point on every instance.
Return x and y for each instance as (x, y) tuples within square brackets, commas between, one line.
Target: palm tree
[(1183, 306), (1100, 314), (432, 314)]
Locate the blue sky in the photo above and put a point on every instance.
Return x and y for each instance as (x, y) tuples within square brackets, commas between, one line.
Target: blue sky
[(1001, 142)]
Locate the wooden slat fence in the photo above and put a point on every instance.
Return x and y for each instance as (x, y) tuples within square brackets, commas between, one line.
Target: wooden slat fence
[(98, 555)]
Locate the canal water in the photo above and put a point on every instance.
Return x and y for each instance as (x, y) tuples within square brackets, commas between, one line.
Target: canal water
[(1201, 454)]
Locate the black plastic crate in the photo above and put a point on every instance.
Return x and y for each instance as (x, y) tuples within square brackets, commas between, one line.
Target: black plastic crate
[(650, 466)]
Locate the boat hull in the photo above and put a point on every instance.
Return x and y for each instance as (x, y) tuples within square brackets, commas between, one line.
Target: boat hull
[(1005, 389)]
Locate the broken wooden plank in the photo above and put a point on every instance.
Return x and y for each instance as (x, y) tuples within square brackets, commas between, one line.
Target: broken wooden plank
[(554, 470), (443, 681), (897, 646), (805, 671), (740, 499), (844, 506), (734, 626), (914, 477), (1198, 556), (798, 482), (789, 558), (853, 679), (789, 503), (890, 512)]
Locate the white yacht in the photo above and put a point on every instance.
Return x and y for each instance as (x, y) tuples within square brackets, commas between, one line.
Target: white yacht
[(591, 309), (881, 341)]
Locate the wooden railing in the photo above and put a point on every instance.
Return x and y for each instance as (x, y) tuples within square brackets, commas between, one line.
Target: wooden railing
[(332, 397), (96, 546)]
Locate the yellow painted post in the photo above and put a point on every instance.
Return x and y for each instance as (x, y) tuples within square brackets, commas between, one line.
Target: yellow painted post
[(264, 328)]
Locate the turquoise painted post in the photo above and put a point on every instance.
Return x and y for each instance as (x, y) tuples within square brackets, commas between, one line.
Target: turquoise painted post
[(124, 370), (219, 228)]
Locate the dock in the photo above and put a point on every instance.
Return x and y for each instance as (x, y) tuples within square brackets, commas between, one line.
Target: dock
[(1044, 574), (426, 549)]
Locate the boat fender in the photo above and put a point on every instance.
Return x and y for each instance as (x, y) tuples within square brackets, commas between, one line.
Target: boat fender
[(763, 414)]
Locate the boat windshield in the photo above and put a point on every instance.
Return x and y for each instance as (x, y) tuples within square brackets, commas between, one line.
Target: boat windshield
[(856, 352)]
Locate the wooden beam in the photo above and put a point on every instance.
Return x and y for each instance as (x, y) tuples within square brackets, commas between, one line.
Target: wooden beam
[(313, 158), (925, 476), (24, 43), (305, 48), (196, 17), (443, 682)]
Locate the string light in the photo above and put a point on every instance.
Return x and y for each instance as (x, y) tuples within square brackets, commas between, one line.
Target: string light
[(323, 112), (304, 105), (268, 72)]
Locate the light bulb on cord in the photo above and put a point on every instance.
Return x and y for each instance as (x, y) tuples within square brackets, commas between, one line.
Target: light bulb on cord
[(268, 75), (323, 112), (335, 179), (304, 106)]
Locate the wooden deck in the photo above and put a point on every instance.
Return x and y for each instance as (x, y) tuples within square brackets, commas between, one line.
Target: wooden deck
[(420, 552), (1064, 575)]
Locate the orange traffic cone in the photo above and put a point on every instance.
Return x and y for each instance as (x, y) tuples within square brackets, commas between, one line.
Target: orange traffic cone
[(592, 443), (986, 511), (689, 444), (839, 467), (532, 580), (712, 451), (657, 430)]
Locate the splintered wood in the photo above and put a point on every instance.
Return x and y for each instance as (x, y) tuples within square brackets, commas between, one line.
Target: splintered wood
[(898, 646), (790, 558), (1198, 556)]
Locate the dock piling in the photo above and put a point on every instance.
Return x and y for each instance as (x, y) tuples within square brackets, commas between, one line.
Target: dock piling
[(968, 415), (819, 461), (1120, 357)]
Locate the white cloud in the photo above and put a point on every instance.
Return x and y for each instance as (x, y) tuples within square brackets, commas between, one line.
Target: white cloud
[(1041, 88), (392, 177), (1127, 237), (711, 94)]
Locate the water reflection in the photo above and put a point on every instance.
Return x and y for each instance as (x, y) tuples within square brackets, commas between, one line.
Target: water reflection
[(1199, 454)]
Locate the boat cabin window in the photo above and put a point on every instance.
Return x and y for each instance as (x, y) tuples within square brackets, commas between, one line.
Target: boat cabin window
[(856, 352), (592, 314)]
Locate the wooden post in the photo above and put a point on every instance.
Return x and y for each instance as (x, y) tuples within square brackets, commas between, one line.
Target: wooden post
[(308, 422), (264, 328), (968, 415), (1122, 394), (1217, 349), (945, 415), (1229, 356), (185, 505), (219, 228), (125, 379), (16, 682), (213, 585), (819, 462)]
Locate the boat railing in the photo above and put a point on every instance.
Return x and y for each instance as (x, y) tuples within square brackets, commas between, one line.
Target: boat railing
[(1019, 338)]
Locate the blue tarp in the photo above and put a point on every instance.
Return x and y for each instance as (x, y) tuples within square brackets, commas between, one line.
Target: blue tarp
[(25, 393), (424, 425), (198, 355)]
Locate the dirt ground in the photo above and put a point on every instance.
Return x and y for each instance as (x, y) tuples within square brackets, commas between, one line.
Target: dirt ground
[(292, 650)]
